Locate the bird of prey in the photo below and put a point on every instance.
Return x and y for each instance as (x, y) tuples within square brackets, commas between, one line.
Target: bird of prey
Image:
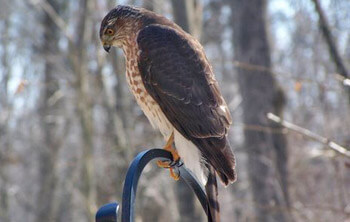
[(173, 83)]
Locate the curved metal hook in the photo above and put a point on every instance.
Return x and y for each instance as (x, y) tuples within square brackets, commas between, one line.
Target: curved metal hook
[(134, 173)]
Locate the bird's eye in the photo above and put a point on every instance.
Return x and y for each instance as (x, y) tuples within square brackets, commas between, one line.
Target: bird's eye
[(109, 32)]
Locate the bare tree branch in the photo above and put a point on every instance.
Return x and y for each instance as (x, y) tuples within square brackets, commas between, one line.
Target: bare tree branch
[(305, 132), (56, 18), (265, 70), (345, 81), (333, 50), (324, 26)]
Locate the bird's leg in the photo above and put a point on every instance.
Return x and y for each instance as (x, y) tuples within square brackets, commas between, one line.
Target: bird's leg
[(169, 147), (166, 164)]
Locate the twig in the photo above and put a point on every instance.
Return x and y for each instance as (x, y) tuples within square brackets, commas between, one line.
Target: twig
[(260, 128), (332, 48), (264, 69), (288, 75), (276, 73), (305, 132), (345, 81), (47, 7)]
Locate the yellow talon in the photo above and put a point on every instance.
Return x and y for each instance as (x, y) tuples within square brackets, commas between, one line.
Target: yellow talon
[(163, 164), (166, 164), (174, 175)]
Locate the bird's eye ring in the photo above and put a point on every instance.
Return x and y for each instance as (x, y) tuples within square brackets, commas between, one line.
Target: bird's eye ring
[(109, 32)]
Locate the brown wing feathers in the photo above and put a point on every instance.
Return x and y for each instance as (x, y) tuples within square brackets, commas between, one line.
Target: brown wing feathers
[(177, 77)]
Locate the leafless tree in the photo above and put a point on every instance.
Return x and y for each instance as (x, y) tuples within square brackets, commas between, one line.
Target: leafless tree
[(49, 109), (267, 152)]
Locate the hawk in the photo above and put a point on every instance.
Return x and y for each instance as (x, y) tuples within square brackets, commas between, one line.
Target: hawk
[(173, 83)]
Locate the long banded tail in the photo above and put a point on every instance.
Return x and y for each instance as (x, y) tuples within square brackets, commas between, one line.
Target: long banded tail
[(211, 189)]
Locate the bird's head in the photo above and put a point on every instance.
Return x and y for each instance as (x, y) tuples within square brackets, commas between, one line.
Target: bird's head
[(118, 24)]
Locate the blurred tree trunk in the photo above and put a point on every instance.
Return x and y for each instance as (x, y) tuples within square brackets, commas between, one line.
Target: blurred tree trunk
[(267, 151), (84, 107), (4, 118), (49, 112), (188, 15)]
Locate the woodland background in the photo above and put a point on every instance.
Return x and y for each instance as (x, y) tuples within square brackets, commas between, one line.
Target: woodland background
[(69, 126)]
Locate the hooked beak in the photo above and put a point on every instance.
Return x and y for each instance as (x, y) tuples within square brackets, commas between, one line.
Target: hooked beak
[(107, 47)]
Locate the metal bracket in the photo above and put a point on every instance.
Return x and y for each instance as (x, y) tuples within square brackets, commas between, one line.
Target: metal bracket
[(109, 212)]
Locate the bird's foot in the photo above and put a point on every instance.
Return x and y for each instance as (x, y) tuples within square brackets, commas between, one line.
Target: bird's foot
[(173, 174), (170, 165), (175, 161)]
